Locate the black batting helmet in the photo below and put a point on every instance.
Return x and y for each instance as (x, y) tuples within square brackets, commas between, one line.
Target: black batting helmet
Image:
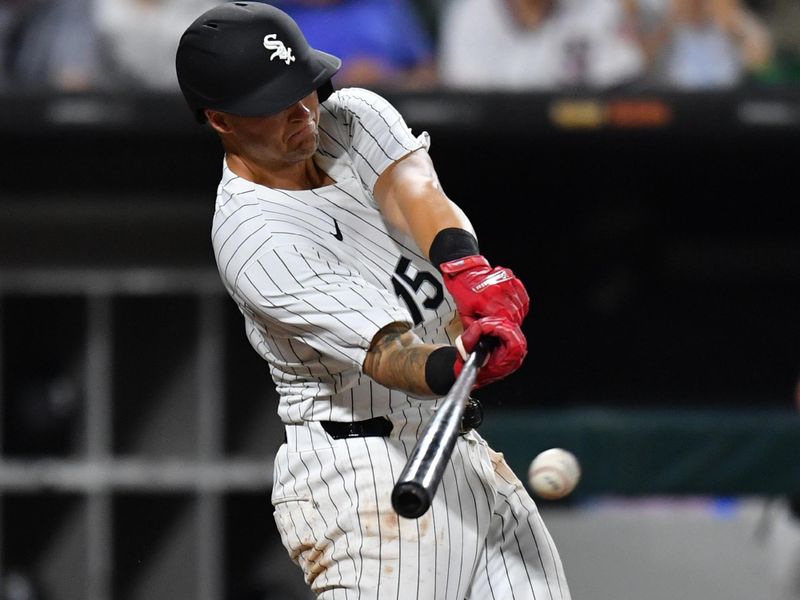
[(249, 59)]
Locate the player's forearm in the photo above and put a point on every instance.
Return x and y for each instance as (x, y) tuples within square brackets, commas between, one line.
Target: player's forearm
[(398, 359), (411, 198), (429, 215)]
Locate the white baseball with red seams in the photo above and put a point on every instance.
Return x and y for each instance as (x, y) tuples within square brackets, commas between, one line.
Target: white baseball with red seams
[(554, 473)]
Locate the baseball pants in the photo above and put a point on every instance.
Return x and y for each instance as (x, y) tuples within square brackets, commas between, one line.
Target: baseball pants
[(482, 538)]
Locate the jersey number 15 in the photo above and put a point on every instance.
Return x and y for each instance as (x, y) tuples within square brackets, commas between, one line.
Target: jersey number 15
[(408, 289)]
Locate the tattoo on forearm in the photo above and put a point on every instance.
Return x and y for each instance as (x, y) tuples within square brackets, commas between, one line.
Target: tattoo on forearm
[(397, 360)]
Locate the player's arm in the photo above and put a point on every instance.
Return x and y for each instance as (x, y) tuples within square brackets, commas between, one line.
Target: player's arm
[(411, 198), (398, 359)]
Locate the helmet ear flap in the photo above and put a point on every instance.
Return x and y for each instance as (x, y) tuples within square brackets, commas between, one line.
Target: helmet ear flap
[(324, 91)]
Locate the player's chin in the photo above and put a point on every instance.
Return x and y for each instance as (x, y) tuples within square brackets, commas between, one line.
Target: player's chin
[(299, 152), (303, 145)]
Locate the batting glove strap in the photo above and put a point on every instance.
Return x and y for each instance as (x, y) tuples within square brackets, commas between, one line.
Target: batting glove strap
[(454, 267)]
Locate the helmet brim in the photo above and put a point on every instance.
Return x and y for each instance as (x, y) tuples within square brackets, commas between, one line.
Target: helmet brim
[(284, 91)]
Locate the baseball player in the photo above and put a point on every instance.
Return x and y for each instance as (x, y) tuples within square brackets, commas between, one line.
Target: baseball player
[(363, 287)]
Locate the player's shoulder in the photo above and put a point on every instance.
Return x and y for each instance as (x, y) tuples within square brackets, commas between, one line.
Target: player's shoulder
[(231, 184), (354, 92), (360, 101)]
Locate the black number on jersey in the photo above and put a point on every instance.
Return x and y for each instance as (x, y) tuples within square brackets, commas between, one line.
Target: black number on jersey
[(402, 281)]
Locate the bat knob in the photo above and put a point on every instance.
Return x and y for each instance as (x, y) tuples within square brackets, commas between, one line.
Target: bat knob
[(410, 500), (473, 415)]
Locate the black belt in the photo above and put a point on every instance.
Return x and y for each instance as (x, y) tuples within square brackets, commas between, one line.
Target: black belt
[(382, 427), (377, 427)]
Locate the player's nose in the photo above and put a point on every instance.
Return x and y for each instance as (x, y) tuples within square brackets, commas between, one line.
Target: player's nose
[(299, 110)]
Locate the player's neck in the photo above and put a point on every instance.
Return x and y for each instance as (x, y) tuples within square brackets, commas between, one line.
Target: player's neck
[(304, 175)]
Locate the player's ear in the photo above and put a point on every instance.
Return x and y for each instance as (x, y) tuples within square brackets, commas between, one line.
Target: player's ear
[(218, 120)]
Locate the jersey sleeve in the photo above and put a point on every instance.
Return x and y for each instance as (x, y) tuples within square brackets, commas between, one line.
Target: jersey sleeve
[(370, 129), (304, 293)]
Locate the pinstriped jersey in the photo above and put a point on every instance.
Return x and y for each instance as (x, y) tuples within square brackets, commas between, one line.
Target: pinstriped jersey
[(316, 273)]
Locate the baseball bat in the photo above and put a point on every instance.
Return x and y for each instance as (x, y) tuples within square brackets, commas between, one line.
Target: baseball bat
[(414, 490)]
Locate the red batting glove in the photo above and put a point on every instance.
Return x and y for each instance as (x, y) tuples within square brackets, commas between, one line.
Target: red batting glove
[(505, 358), (482, 291)]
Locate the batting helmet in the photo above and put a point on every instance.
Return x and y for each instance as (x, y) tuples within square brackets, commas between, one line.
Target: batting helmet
[(249, 59)]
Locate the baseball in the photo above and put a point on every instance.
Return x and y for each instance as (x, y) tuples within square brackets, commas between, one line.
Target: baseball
[(554, 473)]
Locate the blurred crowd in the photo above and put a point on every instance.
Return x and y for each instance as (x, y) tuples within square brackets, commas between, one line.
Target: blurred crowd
[(536, 45)]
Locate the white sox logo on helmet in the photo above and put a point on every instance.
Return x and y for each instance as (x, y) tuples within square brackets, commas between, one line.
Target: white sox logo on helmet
[(281, 51)]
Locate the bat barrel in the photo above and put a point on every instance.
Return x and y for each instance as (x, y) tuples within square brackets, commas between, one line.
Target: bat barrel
[(414, 490)]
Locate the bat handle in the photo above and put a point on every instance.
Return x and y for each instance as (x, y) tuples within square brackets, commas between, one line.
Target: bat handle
[(483, 348)]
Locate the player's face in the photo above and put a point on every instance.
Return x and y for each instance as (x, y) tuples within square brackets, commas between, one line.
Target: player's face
[(290, 136)]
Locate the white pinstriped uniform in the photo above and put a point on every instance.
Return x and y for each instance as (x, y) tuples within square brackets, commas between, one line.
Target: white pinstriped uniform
[(316, 273)]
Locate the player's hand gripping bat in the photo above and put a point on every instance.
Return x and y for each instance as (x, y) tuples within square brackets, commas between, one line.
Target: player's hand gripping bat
[(414, 490)]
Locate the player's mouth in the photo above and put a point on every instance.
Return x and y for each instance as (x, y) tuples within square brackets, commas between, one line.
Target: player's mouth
[(308, 129)]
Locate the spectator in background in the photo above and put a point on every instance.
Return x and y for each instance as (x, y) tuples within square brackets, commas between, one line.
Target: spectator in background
[(782, 19), (47, 45), (140, 37), (541, 45), (381, 42), (707, 44)]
